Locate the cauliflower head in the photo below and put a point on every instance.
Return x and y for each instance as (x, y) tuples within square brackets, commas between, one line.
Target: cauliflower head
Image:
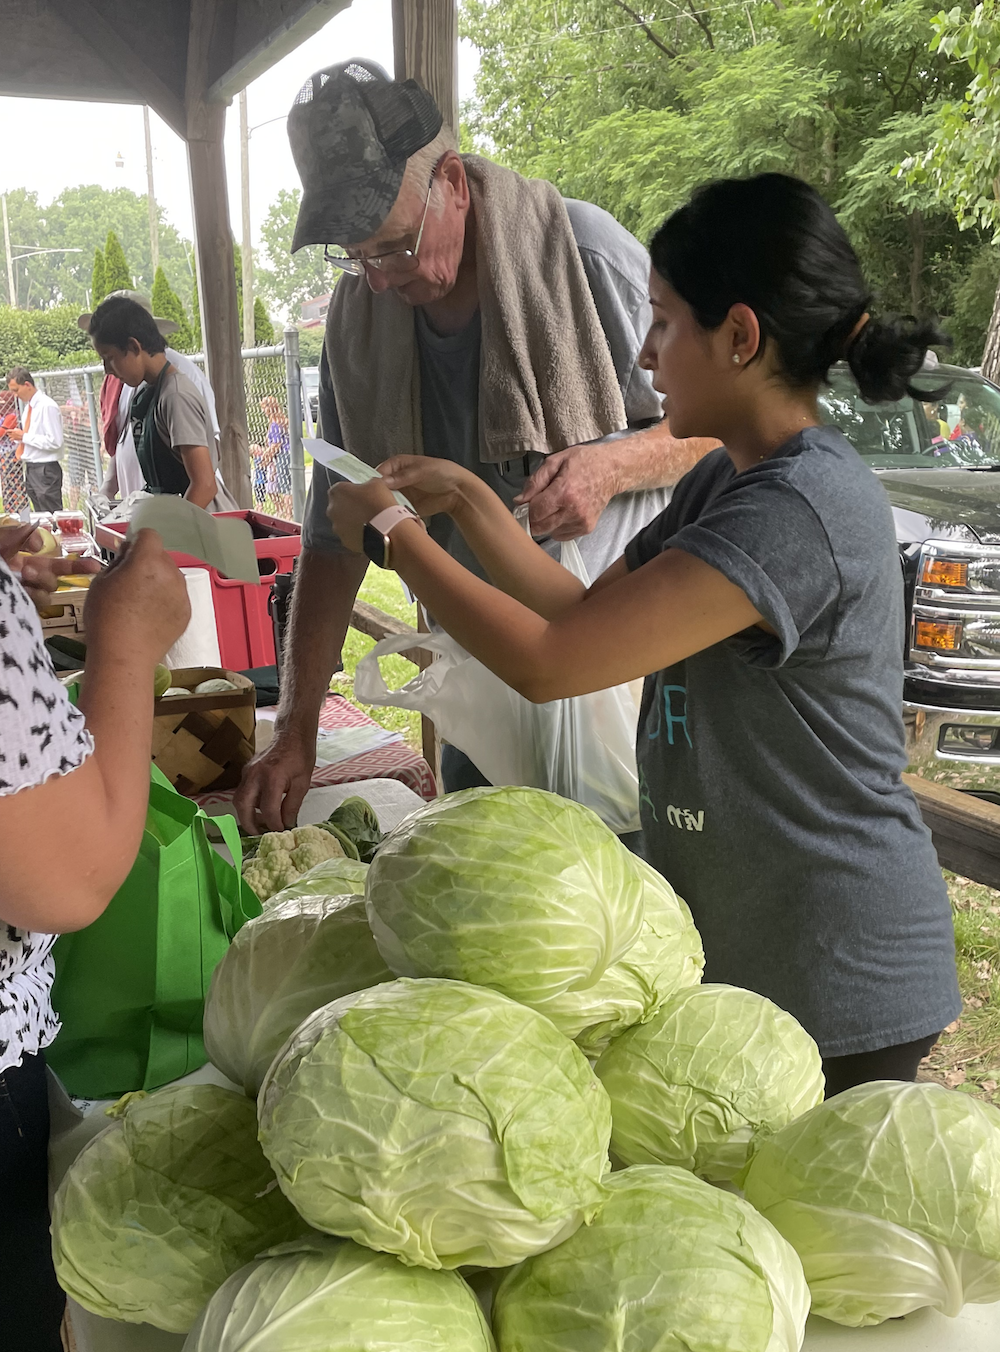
[(283, 856)]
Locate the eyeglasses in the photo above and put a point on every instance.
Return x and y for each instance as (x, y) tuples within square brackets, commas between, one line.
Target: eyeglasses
[(399, 260)]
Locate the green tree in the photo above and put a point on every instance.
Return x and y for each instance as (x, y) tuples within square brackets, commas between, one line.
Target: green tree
[(167, 305), (57, 331), (98, 290), (196, 338), (262, 326), (27, 231), (311, 345), (78, 221), (18, 343), (117, 276), (963, 164), (632, 112), (286, 280)]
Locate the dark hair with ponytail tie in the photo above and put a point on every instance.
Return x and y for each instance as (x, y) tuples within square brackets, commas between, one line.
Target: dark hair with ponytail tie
[(772, 243)]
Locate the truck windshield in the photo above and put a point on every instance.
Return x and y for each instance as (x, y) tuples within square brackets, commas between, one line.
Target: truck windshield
[(960, 431)]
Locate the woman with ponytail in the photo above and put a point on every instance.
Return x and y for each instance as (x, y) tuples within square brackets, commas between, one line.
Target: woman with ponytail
[(765, 609)]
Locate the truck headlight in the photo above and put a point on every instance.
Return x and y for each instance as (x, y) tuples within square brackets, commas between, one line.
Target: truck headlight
[(956, 606), (957, 637), (963, 568)]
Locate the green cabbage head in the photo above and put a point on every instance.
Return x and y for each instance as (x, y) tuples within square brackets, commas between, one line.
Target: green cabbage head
[(516, 889), (713, 1065), (297, 956), (671, 1264), (437, 1121), (666, 957), (329, 1295), (890, 1194), (337, 877), (163, 1206)]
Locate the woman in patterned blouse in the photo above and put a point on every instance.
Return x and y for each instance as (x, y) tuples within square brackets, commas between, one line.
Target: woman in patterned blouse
[(73, 789)]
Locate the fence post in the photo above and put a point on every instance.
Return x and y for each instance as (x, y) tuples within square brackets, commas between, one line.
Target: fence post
[(293, 382), (95, 431)]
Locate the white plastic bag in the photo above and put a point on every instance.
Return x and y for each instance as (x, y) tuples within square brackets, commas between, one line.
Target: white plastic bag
[(582, 748)]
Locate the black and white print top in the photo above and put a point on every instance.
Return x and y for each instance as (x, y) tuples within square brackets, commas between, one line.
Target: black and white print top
[(41, 735)]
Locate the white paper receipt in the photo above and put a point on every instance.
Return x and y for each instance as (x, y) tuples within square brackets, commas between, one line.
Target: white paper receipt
[(223, 541), (345, 465)]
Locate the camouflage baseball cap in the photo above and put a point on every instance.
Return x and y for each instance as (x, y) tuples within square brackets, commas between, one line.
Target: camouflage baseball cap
[(352, 129)]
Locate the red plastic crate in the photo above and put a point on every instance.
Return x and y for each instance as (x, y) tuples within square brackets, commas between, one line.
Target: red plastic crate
[(246, 634)]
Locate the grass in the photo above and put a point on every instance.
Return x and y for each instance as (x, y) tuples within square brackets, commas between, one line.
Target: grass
[(968, 1055), (382, 589)]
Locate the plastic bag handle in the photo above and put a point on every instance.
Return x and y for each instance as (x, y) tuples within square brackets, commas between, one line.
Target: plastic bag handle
[(369, 683)]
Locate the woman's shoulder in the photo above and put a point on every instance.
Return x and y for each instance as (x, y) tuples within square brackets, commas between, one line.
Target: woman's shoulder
[(824, 465)]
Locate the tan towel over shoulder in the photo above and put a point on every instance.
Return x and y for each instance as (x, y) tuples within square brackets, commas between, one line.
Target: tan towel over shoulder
[(546, 377)]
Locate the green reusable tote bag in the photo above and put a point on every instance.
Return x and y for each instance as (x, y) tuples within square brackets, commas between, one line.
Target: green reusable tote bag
[(130, 988)]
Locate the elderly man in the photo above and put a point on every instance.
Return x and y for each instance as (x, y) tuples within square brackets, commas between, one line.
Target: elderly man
[(479, 317)]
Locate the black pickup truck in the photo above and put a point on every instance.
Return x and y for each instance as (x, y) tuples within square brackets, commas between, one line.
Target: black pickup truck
[(940, 464)]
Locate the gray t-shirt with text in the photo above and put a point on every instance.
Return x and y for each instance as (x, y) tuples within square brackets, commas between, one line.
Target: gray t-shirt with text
[(617, 267), (770, 764)]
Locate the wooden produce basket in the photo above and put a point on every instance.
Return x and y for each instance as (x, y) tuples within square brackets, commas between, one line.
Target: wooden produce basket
[(65, 615), (202, 742)]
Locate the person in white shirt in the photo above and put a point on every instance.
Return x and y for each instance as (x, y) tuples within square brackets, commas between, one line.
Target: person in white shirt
[(41, 438), (124, 475)]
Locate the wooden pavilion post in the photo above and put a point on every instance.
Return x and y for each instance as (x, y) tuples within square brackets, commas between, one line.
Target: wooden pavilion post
[(206, 124), (425, 48), (425, 45)]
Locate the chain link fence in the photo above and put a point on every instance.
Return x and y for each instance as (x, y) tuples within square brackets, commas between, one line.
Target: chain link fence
[(272, 380)]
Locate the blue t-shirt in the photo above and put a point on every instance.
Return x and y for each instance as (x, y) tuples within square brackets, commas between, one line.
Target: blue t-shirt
[(770, 764)]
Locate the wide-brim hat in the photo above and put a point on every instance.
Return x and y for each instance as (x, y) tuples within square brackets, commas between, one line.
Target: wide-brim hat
[(351, 131), (166, 326)]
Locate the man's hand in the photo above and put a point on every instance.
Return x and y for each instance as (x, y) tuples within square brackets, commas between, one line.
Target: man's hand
[(570, 490), (15, 433), (352, 506), (275, 783)]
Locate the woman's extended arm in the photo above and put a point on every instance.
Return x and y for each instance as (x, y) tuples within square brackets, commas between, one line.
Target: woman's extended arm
[(67, 844), (509, 556), (638, 623)]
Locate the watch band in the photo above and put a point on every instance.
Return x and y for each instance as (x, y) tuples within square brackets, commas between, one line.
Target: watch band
[(384, 521), (375, 540)]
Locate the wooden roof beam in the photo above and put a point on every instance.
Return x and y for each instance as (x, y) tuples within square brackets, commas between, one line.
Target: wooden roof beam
[(302, 22), (124, 63)]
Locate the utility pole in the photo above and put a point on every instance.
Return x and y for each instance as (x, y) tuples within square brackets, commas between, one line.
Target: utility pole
[(154, 229), (247, 248), (11, 289)]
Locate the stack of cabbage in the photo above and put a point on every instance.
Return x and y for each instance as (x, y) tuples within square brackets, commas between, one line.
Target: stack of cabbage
[(425, 1103)]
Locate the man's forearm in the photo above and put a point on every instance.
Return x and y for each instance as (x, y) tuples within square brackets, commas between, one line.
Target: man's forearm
[(322, 601), (652, 458)]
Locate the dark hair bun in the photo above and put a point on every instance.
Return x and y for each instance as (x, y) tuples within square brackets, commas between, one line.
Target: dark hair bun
[(772, 243), (888, 353)]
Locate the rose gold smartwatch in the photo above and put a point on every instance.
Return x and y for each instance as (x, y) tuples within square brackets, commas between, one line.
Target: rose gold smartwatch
[(375, 539)]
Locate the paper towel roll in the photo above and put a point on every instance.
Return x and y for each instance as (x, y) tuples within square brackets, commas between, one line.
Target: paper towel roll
[(198, 646)]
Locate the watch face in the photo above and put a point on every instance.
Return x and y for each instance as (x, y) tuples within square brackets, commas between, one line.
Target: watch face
[(373, 543)]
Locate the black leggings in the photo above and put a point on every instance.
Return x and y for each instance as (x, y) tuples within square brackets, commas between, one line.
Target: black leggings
[(32, 1301), (888, 1063)]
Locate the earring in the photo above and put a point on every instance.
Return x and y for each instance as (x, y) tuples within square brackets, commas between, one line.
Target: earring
[(736, 358)]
